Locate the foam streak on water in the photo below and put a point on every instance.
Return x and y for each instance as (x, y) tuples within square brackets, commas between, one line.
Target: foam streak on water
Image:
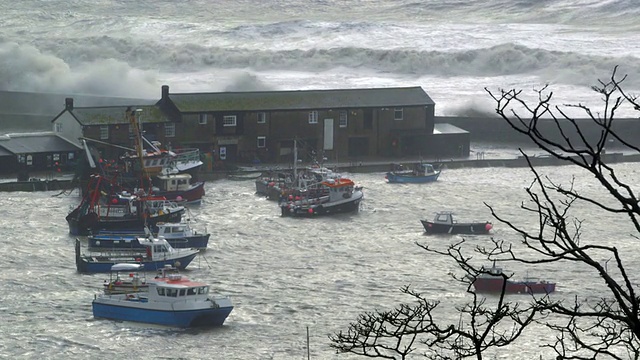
[(283, 274)]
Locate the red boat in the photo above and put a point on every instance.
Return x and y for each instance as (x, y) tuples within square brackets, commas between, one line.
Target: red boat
[(491, 281)]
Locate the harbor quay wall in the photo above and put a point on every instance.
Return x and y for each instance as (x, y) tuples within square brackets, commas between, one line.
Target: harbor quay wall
[(383, 165)]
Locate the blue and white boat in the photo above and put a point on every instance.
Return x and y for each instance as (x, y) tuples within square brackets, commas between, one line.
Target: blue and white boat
[(421, 173), (171, 300), (156, 254), (180, 235)]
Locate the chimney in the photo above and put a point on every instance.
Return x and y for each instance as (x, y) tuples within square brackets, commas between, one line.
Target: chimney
[(68, 104), (165, 92)]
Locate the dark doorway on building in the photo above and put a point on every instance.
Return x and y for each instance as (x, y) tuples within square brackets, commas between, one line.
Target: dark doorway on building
[(358, 146)]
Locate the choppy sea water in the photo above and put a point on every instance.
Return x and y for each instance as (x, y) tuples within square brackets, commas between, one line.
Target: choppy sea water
[(284, 275)]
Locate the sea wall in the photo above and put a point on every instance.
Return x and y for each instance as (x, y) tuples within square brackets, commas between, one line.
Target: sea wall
[(498, 130)]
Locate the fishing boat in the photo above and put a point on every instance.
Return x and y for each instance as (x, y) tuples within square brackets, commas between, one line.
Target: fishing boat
[(342, 195), (157, 161), (103, 208), (171, 300), (157, 253), (421, 173), (444, 223), (179, 235), (492, 280), (179, 188)]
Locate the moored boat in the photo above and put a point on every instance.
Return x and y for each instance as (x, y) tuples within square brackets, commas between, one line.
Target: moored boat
[(444, 223), (179, 188), (492, 280), (157, 253), (179, 235), (171, 300), (342, 195), (421, 173), (101, 208)]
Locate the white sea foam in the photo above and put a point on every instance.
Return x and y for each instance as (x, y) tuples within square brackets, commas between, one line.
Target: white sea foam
[(452, 49)]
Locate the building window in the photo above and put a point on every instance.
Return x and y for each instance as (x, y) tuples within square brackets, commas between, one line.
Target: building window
[(343, 118), (262, 117), (262, 141), (104, 132), (169, 130), (229, 120), (313, 117), (58, 127), (202, 120), (397, 114)]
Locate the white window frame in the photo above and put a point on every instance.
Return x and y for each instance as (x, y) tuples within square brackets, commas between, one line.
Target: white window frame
[(344, 118), (398, 113), (262, 142), (104, 132), (229, 120), (169, 130), (58, 127), (202, 119), (262, 117), (313, 117)]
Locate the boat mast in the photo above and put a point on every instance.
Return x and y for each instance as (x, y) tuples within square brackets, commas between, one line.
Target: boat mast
[(295, 159), (134, 121)]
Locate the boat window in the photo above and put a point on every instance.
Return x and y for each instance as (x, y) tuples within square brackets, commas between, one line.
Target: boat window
[(183, 292), (443, 218), (161, 291), (191, 291), (203, 290), (172, 292), (179, 229)]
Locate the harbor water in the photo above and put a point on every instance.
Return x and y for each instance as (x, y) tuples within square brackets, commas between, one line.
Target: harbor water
[(287, 275)]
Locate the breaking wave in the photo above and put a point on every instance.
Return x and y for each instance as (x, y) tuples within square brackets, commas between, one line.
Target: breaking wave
[(504, 59)]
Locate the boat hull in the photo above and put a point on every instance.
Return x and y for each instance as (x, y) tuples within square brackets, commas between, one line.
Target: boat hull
[(346, 206), (129, 241), (495, 286), (394, 178), (97, 263), (103, 308), (481, 228), (191, 196), (84, 225)]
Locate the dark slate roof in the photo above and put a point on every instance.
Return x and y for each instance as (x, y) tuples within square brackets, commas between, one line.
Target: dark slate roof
[(4, 152), (36, 143), (50, 104), (301, 99), (111, 115), (13, 123)]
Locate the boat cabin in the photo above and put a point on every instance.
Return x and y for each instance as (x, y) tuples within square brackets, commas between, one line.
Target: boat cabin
[(173, 182), (424, 169), (493, 270), (444, 217), (172, 287), (156, 248), (174, 230), (339, 188)]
